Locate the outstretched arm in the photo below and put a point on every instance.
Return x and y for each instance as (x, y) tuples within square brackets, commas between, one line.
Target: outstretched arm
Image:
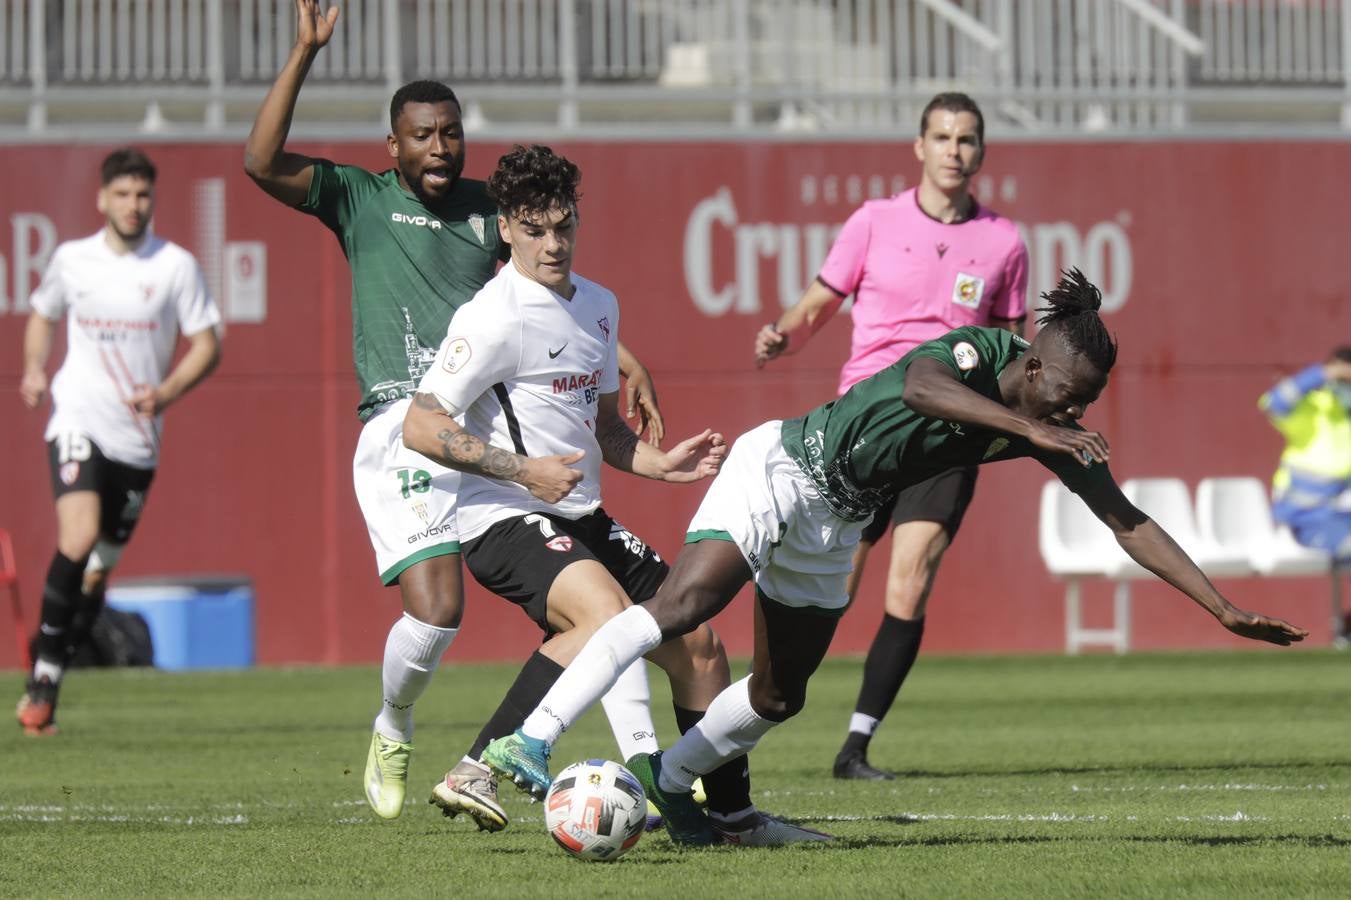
[(790, 332), (690, 460), (640, 396), (431, 431), (284, 175), (1149, 545)]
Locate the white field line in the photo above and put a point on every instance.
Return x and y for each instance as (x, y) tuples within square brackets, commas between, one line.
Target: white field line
[(1238, 816)]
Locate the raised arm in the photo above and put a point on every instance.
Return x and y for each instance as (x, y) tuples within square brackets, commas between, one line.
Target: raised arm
[(1150, 546), (690, 460), (791, 331), (37, 347), (640, 396), (431, 431), (284, 175)]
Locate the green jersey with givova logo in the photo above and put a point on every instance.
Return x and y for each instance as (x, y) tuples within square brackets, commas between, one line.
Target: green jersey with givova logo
[(867, 445), (412, 267)]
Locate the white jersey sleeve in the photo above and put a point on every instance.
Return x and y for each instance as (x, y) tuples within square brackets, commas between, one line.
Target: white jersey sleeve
[(482, 348), (50, 300), (609, 376), (196, 310)]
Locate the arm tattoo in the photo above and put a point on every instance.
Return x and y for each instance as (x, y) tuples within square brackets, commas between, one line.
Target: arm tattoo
[(617, 441), (468, 453)]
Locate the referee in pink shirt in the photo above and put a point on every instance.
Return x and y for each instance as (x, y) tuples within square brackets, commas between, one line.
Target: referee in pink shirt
[(919, 264)]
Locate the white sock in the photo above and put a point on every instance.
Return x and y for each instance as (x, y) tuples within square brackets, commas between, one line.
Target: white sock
[(611, 650), (43, 668), (863, 724), (628, 706), (729, 729), (412, 653)]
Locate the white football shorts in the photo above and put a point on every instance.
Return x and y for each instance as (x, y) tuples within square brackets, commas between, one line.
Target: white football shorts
[(408, 501), (801, 552)]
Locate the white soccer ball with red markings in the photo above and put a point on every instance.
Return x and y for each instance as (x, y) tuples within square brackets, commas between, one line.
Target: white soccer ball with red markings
[(596, 810)]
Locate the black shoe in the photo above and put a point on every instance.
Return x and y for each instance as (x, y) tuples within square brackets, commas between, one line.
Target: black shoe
[(855, 766)]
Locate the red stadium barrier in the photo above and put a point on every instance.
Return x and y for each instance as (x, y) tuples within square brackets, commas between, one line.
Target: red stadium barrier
[(1214, 288)]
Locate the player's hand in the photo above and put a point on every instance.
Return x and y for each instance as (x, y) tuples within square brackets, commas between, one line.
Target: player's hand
[(1337, 370), (148, 401), (313, 29), (769, 343), (695, 458), (640, 399), (33, 389), (1087, 447), (1261, 628), (551, 478)]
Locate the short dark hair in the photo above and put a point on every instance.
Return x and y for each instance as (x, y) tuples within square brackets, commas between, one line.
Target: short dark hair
[(419, 92), (1342, 353), (533, 179), (953, 101), (127, 161), (1073, 313)]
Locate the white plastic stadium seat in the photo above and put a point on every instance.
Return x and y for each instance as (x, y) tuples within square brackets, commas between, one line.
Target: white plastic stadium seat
[(1235, 512), (1168, 502), (1075, 545)]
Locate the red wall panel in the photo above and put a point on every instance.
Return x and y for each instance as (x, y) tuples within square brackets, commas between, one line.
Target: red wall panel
[(1215, 283)]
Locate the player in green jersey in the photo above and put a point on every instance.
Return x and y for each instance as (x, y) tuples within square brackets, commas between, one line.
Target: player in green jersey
[(788, 506), (420, 241)]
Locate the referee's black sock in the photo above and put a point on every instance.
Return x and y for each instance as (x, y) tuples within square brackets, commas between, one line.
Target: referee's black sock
[(889, 661), (60, 599), (537, 675), (729, 785)]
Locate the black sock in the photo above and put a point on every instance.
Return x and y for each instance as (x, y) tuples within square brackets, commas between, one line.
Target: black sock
[(729, 785), (87, 611), (60, 599), (889, 661), (537, 675)]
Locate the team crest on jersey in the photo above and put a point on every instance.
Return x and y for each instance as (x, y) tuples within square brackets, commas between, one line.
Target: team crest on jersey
[(562, 543), (604, 323), (476, 225), (966, 356), (996, 446), (967, 290), (69, 472), (457, 355)]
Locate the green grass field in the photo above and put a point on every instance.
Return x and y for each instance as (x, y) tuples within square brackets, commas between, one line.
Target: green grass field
[(1201, 775)]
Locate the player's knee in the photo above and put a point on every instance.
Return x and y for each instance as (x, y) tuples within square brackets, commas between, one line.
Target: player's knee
[(777, 703), (77, 542), (705, 650)]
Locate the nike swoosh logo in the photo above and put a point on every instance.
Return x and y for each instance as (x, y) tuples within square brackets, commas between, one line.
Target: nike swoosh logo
[(553, 354)]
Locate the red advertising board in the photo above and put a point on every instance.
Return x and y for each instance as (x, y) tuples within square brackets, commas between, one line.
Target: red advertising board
[(1213, 284)]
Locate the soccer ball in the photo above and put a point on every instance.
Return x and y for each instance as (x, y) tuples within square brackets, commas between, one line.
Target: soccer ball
[(595, 810)]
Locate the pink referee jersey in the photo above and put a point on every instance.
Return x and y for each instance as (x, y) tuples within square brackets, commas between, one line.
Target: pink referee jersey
[(914, 278)]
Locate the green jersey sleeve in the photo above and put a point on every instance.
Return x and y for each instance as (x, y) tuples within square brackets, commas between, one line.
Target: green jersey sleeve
[(337, 192)]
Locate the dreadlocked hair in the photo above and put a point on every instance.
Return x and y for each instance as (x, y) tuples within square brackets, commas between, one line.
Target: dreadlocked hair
[(533, 180), (1073, 313)]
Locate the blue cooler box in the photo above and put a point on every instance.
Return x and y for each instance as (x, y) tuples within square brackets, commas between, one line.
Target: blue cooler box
[(195, 623)]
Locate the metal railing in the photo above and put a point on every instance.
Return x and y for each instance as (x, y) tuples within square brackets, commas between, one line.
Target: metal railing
[(648, 66)]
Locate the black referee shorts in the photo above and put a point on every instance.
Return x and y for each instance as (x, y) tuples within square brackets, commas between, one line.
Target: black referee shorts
[(942, 499)]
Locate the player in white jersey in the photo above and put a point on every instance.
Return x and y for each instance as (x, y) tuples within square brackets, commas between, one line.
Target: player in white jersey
[(126, 294), (530, 364)]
